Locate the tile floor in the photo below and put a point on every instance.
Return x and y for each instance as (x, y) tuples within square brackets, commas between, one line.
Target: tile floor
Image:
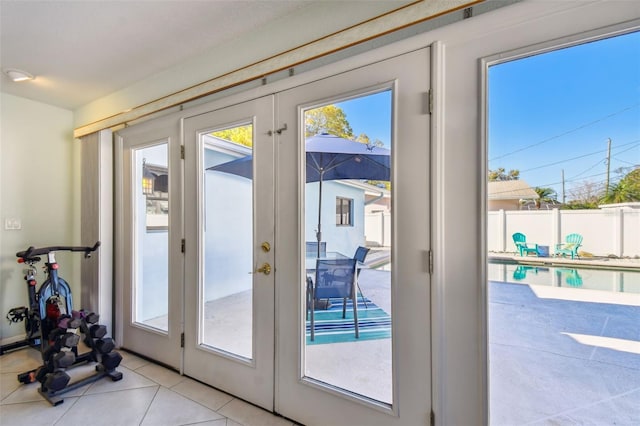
[(148, 394)]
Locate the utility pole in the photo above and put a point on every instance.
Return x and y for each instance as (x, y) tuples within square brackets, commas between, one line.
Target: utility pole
[(564, 198), (606, 193)]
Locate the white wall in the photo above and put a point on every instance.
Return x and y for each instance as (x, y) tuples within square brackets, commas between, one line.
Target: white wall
[(260, 43), (343, 239), (377, 229), (39, 185), (605, 232)]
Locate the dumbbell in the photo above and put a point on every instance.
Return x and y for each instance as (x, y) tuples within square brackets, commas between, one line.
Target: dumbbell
[(89, 317), (105, 345), (67, 340), (98, 331), (41, 373), (69, 322), (62, 339), (111, 360), (63, 359), (56, 381)]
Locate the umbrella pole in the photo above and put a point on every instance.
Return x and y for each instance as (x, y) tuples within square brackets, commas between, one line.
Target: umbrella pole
[(319, 232), (319, 236)]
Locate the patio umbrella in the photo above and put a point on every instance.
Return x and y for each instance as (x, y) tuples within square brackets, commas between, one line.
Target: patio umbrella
[(328, 157)]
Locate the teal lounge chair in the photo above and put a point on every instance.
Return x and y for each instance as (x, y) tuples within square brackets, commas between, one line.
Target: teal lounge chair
[(570, 246), (520, 240)]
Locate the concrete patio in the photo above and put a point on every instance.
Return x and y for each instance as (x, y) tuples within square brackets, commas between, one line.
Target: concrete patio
[(561, 361)]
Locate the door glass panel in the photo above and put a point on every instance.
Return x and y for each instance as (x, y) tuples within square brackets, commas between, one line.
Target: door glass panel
[(152, 236), (226, 293), (563, 285), (347, 207)]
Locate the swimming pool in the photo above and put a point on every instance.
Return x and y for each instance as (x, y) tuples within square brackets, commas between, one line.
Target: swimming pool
[(575, 278)]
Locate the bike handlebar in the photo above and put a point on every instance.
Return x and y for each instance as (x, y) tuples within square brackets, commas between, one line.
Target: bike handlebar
[(31, 252)]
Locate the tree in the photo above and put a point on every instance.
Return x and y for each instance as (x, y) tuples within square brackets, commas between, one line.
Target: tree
[(547, 195), (242, 135), (329, 118), (586, 195), (626, 190), (499, 174), (364, 138)]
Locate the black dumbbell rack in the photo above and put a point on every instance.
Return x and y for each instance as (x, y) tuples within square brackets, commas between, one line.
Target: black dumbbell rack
[(62, 353)]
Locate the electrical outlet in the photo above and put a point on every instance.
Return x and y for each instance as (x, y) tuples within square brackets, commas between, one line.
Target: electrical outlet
[(12, 224)]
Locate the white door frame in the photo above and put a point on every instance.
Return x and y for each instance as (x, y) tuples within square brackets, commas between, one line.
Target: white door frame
[(153, 343)]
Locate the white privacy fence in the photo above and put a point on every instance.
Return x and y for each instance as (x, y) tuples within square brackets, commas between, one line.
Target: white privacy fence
[(605, 232), (377, 229)]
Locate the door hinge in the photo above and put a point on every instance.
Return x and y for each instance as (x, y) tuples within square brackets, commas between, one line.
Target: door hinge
[(433, 418), (430, 101), (431, 262), (182, 244), (182, 344), (182, 152)]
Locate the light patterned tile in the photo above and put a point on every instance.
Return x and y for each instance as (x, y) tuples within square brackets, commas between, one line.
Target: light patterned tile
[(126, 407), (38, 413), (250, 415), (29, 393), (8, 384), (170, 408), (20, 361), (221, 422), (203, 394), (130, 380), (131, 361), (160, 375)]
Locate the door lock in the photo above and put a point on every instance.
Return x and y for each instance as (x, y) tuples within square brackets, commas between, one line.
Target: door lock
[(265, 269), (266, 247)]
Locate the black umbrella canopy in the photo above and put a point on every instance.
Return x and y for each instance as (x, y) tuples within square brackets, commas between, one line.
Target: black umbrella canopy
[(328, 157)]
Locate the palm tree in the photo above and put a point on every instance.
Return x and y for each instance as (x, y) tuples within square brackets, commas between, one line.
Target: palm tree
[(626, 190), (548, 195)]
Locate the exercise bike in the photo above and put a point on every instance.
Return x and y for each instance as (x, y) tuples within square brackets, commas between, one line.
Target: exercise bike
[(56, 328)]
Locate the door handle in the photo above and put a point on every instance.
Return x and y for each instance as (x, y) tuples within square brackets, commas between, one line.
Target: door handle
[(265, 269)]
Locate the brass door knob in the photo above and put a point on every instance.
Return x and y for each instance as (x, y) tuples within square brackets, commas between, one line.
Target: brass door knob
[(265, 269)]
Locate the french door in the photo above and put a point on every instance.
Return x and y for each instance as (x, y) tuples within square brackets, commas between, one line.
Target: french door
[(229, 231), (249, 205), (382, 377), (149, 227)]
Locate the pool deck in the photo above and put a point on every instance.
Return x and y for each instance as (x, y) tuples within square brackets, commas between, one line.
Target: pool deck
[(600, 262)]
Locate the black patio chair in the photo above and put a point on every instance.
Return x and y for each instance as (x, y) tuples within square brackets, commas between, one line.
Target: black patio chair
[(335, 278), (360, 256)]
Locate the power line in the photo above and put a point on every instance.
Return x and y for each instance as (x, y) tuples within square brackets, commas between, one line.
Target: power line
[(574, 188), (591, 123), (636, 142), (625, 161)]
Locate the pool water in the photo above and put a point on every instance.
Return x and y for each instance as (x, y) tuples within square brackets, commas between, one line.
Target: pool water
[(577, 278)]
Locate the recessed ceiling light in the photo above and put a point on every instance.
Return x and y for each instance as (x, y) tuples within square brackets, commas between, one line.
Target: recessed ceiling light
[(18, 75)]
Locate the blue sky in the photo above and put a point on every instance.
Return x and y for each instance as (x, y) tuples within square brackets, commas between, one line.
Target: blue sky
[(551, 112), (556, 111), (371, 115)]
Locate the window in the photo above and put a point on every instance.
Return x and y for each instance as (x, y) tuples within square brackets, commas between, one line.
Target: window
[(344, 207)]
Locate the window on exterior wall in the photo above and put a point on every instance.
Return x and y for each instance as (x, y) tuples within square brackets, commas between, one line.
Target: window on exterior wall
[(344, 208)]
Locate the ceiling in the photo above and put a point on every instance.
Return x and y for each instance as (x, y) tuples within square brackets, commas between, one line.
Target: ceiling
[(81, 51)]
